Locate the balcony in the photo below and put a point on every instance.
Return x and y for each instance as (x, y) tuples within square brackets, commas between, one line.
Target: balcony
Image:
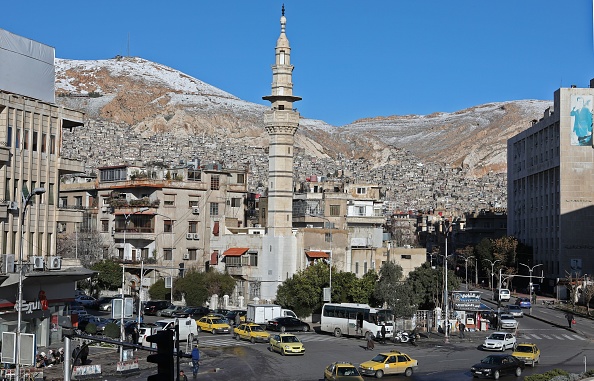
[(4, 153), (70, 166), (238, 270)]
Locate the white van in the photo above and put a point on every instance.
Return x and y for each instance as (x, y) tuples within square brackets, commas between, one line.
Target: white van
[(502, 294), (187, 327)]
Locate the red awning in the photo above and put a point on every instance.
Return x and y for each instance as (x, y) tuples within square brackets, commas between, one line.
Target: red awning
[(317, 254), (214, 258), (215, 229), (235, 251)]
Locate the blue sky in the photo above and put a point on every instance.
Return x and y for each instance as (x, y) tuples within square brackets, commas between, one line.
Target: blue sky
[(353, 59)]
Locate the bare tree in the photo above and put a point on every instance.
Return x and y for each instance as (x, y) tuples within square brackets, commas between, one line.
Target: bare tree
[(87, 246), (587, 295), (572, 287)]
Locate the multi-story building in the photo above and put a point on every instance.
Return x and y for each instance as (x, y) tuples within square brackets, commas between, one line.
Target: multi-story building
[(31, 165), (551, 185)]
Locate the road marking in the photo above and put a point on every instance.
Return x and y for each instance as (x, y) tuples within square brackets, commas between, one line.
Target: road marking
[(558, 337), (568, 337), (547, 337), (536, 336), (579, 337)]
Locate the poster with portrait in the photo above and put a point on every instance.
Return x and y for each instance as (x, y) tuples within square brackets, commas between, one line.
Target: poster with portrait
[(581, 120)]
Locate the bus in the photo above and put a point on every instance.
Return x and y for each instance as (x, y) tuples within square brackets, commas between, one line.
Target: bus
[(354, 319)]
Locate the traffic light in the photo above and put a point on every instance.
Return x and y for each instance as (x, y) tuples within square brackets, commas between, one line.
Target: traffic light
[(164, 356), (182, 269)]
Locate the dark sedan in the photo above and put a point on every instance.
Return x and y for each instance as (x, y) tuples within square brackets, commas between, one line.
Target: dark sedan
[(284, 324), (193, 312), (153, 306), (494, 366)]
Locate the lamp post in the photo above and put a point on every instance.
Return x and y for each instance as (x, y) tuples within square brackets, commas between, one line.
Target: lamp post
[(530, 285), (122, 328), (466, 269), (492, 266), (445, 296), (19, 304)]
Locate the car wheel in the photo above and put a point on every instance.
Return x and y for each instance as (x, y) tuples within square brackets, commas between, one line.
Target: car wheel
[(159, 313), (283, 353), (496, 375), (379, 374), (199, 329), (306, 328), (518, 372), (213, 331), (253, 340), (236, 337), (536, 361), (282, 328), (108, 308), (337, 332), (408, 372)]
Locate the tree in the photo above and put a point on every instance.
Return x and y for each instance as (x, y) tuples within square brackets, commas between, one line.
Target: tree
[(197, 287), (398, 295), (587, 295), (157, 291), (87, 246), (303, 291), (572, 287), (109, 277), (428, 285)]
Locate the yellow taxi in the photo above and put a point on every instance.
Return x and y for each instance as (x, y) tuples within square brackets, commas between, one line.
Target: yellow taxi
[(393, 362), (252, 332), (286, 344), (212, 324), (529, 353), (342, 371)]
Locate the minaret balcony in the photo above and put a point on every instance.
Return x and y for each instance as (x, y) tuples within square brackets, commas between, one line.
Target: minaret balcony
[(286, 117)]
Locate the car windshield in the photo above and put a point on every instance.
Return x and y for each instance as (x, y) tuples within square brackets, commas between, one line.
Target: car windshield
[(506, 317), (497, 336), (347, 371), (524, 348), (491, 360), (289, 339), (379, 358), (217, 321), (256, 328), (161, 324), (513, 307)]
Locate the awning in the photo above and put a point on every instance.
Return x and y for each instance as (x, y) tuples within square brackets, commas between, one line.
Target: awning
[(214, 258), (317, 254), (236, 251), (215, 229)]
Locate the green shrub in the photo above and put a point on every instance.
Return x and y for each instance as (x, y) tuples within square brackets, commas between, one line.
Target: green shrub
[(112, 330), (91, 328), (546, 376)]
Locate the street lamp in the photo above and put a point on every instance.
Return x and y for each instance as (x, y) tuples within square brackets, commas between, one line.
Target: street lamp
[(466, 266), (530, 285), (492, 266), (36, 192), (445, 296), (122, 328)]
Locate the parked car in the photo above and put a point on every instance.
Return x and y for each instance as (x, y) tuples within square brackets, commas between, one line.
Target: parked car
[(104, 303), (342, 371), (192, 312), (152, 307), (523, 302), (146, 329), (212, 324), (85, 300), (231, 316), (252, 332), (169, 311), (286, 344), (499, 341), (494, 366), (393, 362), (514, 310), (99, 322), (507, 321), (529, 353), (284, 324)]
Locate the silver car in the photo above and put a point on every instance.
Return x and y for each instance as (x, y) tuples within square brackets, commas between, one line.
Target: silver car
[(514, 310), (507, 321)]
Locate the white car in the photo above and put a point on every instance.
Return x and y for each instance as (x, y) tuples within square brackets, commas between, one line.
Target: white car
[(499, 341), (507, 321), (85, 300), (514, 310)]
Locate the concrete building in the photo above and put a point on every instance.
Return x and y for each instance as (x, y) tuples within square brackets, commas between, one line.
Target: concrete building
[(31, 129), (551, 185)]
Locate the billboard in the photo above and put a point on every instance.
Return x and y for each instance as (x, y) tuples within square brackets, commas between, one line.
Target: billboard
[(27, 67), (581, 120), (466, 300)]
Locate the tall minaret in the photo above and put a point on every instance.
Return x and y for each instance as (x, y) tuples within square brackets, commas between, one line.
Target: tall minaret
[(279, 253), (281, 123)]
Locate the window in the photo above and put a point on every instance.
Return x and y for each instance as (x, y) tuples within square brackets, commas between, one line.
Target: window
[(63, 202), (328, 237), (214, 182), (194, 201), (9, 137), (240, 178), (192, 254), (235, 202), (194, 175), (52, 144), (167, 254), (253, 258), (359, 210), (335, 210), (43, 142), (168, 200), (214, 209), (144, 253), (192, 227), (18, 138), (405, 256), (168, 226), (356, 267), (105, 226), (78, 201), (50, 194), (35, 137), (361, 190), (26, 139)]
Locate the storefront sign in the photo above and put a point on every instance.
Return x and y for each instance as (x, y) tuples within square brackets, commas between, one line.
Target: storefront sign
[(124, 366), (27, 307), (466, 300), (86, 370)]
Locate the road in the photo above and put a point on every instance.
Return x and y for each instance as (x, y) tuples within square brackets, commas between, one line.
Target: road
[(224, 358)]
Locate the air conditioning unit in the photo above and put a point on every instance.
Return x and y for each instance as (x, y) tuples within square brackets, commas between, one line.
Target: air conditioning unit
[(13, 205), (196, 236), (189, 236), (55, 263), (186, 256), (195, 210), (37, 263)]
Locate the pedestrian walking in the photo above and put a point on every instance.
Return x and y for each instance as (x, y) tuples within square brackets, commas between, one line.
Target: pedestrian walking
[(462, 328), (75, 355), (237, 319), (370, 344), (182, 376), (84, 353), (570, 319), (195, 360), (383, 331)]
